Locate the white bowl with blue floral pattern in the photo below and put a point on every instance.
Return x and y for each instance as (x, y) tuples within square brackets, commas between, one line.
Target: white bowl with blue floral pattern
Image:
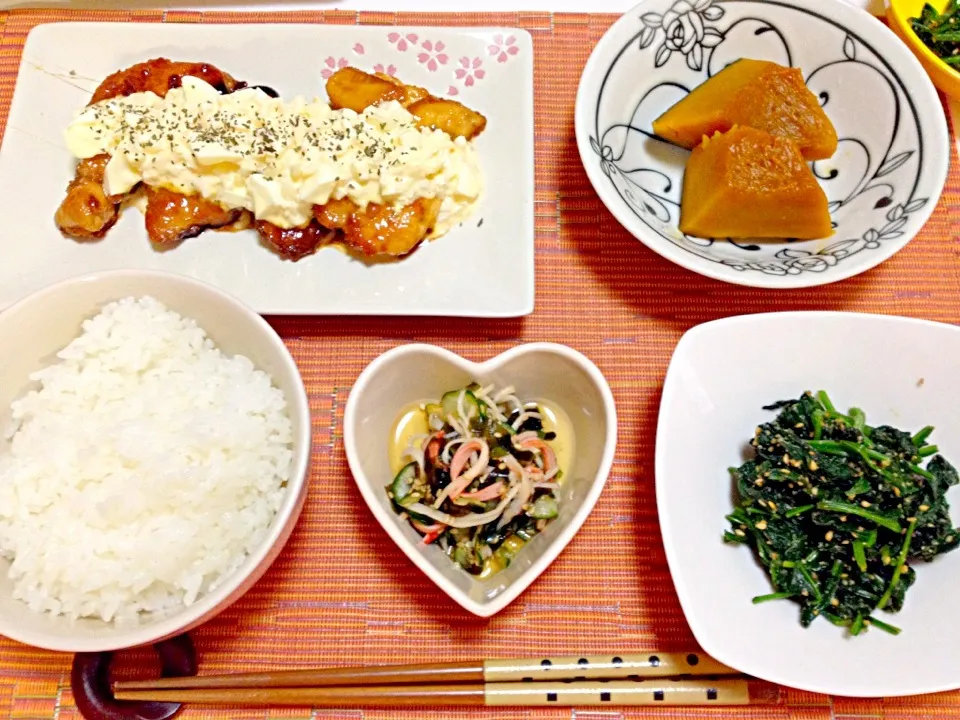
[(882, 183)]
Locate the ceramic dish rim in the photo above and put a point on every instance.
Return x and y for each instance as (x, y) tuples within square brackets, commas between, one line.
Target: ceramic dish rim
[(925, 94), (684, 593), (213, 602), (523, 301), (388, 521)]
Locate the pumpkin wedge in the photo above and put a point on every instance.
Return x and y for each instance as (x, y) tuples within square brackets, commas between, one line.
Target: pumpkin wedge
[(753, 93), (746, 183)]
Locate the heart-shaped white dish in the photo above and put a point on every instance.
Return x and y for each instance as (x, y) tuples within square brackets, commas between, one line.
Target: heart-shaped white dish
[(542, 371)]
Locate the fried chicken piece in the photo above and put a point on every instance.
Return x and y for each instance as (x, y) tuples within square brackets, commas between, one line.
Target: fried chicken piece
[(158, 76), (87, 212), (411, 93), (294, 243), (357, 90), (171, 217), (380, 229), (455, 119), (336, 213)]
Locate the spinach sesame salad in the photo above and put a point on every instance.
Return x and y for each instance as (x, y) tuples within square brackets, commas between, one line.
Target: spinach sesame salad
[(940, 31), (483, 480), (836, 510)]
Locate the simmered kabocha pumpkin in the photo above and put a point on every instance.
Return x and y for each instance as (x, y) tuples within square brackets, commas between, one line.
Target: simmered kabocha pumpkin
[(753, 93), (746, 183)]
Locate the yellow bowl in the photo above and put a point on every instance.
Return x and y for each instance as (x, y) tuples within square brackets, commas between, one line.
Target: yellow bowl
[(899, 13)]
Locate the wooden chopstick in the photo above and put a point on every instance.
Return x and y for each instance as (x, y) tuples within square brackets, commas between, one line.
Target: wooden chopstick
[(654, 691), (586, 667)]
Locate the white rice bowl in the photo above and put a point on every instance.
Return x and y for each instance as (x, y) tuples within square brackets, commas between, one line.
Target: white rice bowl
[(142, 470)]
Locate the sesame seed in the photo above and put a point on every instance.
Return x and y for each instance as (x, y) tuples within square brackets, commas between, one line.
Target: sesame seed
[(829, 535)]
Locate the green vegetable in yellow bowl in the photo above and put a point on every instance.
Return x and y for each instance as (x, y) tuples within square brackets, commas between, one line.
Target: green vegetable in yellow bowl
[(940, 31)]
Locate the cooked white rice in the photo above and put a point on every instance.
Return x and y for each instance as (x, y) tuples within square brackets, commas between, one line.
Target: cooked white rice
[(143, 470)]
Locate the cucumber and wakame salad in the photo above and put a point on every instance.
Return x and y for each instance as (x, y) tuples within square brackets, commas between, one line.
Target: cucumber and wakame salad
[(484, 479)]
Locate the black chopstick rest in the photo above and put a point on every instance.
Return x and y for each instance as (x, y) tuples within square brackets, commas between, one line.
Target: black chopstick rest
[(92, 691)]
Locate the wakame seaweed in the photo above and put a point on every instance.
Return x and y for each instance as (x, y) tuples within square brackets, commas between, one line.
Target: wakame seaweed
[(940, 31), (836, 511)]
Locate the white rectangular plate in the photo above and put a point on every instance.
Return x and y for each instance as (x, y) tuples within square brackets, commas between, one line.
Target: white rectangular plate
[(488, 69), (901, 372)]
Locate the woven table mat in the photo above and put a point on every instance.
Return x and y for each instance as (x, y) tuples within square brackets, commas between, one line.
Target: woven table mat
[(342, 593)]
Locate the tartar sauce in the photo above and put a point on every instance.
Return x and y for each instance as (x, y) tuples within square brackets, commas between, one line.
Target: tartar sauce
[(277, 159)]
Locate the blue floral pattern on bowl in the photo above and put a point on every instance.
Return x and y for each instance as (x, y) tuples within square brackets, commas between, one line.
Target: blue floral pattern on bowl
[(882, 183)]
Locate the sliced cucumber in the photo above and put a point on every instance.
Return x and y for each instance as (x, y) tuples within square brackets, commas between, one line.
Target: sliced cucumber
[(451, 401), (402, 486), (491, 566), (483, 411), (544, 508), (423, 519), (435, 417), (462, 557), (512, 545), (526, 533), (508, 550)]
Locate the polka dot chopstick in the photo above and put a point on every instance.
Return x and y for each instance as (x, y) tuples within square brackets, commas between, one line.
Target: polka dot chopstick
[(653, 679)]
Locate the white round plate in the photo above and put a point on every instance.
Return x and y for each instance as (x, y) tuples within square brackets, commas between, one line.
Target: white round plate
[(882, 183)]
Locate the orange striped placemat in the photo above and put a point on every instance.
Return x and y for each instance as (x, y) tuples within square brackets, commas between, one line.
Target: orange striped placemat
[(342, 593)]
